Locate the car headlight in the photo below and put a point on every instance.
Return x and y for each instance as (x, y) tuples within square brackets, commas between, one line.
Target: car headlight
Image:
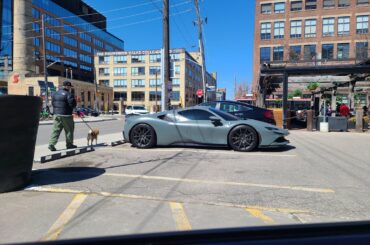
[(272, 128)]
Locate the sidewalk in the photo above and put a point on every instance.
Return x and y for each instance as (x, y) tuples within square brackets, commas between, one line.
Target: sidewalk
[(87, 119), (103, 141)]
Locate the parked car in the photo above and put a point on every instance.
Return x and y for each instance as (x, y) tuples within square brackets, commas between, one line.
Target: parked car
[(136, 109), (201, 126), (87, 111), (243, 110)]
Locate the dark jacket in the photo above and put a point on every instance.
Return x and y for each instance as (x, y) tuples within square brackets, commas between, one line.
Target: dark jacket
[(63, 102)]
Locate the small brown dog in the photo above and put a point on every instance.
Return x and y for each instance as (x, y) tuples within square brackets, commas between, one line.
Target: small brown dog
[(93, 135)]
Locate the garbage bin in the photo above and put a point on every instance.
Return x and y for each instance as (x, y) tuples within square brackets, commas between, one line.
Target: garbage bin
[(18, 131)]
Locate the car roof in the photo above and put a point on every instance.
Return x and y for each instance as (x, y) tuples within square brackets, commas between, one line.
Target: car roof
[(236, 102)]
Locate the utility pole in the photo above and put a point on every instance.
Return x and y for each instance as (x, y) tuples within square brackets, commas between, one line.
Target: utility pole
[(201, 50), (45, 68), (156, 90), (96, 91), (166, 56)]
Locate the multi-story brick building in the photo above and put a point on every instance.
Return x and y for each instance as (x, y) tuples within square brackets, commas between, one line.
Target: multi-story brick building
[(136, 77), (310, 32)]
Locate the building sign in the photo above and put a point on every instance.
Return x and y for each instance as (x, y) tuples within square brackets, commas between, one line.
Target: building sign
[(139, 52), (199, 93), (15, 78)]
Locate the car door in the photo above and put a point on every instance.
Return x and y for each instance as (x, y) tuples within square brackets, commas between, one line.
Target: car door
[(187, 126), (211, 132), (237, 110)]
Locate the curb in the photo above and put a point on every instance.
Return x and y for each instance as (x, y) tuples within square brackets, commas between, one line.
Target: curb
[(64, 154), (119, 142)]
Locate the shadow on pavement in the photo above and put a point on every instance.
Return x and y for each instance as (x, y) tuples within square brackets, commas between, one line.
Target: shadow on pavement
[(64, 175), (277, 148)]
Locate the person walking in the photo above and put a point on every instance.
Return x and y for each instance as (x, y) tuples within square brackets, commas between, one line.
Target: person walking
[(63, 103)]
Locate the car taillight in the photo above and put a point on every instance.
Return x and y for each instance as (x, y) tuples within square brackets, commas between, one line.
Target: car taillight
[(268, 115)]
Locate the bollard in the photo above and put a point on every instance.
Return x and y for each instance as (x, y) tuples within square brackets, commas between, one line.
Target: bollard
[(359, 120), (309, 120)]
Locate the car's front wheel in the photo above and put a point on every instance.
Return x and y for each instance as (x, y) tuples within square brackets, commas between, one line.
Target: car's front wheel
[(243, 138), (143, 136)]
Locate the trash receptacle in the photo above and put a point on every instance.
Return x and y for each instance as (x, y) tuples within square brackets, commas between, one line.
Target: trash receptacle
[(18, 129)]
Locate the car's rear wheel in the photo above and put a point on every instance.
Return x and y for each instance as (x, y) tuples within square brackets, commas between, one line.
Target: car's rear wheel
[(243, 138), (143, 136)]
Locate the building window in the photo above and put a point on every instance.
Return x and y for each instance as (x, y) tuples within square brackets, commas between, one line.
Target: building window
[(120, 83), (327, 51), (279, 8), (344, 3), (266, 8), (343, 51), (52, 34), (362, 24), (310, 28), (362, 50), (85, 47), (311, 4), (174, 57), (279, 30), (104, 83), (309, 52), (138, 59), (138, 83), (120, 59), (265, 55), (70, 53), (86, 58), (295, 29), (154, 82), (176, 82), (36, 41), (154, 70), (70, 30), (87, 68), (362, 2), (329, 3), (103, 71), (104, 60), (343, 26), (296, 6), (119, 95), (328, 27), (155, 58), (137, 71), (119, 71), (35, 13), (295, 53), (98, 43), (152, 96), (265, 31), (70, 41), (53, 47), (85, 36), (278, 53), (175, 95), (36, 27), (137, 96)]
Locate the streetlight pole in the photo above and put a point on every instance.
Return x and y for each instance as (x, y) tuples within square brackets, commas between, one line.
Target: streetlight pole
[(166, 48), (45, 68), (156, 90)]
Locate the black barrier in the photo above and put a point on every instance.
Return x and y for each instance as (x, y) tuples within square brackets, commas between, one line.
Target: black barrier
[(18, 131)]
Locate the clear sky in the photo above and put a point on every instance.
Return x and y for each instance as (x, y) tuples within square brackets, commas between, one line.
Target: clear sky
[(228, 34)]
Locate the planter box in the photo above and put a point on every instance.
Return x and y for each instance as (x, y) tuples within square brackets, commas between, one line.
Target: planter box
[(338, 124), (18, 132)]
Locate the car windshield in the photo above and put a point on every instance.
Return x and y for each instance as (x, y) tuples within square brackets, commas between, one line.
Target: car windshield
[(133, 117), (225, 116)]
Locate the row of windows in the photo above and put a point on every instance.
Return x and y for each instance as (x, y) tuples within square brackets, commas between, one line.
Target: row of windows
[(70, 41), (86, 58), (310, 27), (70, 53), (309, 52), (139, 83), (279, 7), (51, 33), (140, 96), (85, 36), (85, 47), (53, 47), (85, 68), (136, 71), (153, 58)]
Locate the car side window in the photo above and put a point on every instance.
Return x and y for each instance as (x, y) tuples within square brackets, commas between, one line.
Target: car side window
[(129, 107), (195, 114), (210, 104), (229, 107)]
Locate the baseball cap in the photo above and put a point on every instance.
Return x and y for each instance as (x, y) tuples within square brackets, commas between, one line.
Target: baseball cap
[(67, 83)]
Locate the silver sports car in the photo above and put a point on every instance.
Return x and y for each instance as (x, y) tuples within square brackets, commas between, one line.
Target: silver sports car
[(201, 126)]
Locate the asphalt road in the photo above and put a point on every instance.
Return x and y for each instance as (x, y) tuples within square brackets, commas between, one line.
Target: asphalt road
[(81, 130), (321, 177)]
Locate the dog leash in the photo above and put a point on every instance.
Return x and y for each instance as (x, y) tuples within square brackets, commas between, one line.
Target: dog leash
[(86, 123)]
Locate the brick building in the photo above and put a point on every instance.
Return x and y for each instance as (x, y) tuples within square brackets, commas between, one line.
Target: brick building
[(310, 32)]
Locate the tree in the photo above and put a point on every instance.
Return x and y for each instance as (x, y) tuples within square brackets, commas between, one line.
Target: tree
[(313, 86), (296, 93)]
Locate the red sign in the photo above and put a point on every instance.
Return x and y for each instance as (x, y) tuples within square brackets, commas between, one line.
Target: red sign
[(199, 92), (16, 78)]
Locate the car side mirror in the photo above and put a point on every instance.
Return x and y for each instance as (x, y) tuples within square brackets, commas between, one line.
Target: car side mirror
[(216, 121)]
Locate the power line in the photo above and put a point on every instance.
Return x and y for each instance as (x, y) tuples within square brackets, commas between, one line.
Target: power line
[(119, 18), (189, 43)]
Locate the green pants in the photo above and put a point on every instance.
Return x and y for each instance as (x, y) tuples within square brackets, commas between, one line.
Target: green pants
[(61, 123)]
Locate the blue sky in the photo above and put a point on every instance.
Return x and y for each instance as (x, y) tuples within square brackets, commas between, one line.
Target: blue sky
[(228, 33)]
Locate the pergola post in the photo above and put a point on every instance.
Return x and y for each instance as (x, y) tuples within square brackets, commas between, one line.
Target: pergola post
[(285, 100), (333, 101)]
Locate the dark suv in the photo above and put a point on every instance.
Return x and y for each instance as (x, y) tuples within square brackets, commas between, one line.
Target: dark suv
[(242, 110)]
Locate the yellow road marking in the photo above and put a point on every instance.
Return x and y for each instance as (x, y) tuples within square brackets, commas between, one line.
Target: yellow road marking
[(130, 196), (65, 217), (260, 215), (179, 215), (220, 151), (295, 188)]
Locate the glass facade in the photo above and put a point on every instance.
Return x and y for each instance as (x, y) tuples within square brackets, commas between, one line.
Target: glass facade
[(6, 37)]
